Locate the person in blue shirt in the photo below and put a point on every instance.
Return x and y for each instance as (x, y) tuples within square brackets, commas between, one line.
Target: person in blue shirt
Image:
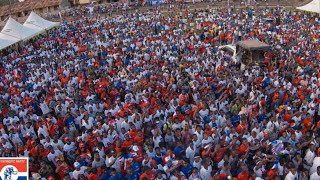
[(235, 120), (186, 168), (261, 118), (179, 150), (114, 175), (130, 175), (82, 161), (266, 82), (104, 175), (136, 169), (36, 108), (158, 156), (69, 120)]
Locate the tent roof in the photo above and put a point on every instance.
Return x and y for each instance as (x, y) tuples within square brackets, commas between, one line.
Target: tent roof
[(313, 6), (18, 31), (6, 41), (34, 21), (253, 45)]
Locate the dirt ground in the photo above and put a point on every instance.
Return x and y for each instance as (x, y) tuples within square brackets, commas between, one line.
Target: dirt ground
[(238, 4), (209, 5)]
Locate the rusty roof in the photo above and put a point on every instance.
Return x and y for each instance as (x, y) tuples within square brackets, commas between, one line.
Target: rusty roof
[(27, 5)]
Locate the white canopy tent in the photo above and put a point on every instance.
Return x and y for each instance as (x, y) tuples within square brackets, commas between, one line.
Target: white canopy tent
[(14, 32), (313, 6), (17, 30), (6, 40), (34, 21)]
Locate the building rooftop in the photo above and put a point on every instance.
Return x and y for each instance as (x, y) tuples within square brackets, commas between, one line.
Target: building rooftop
[(27, 5)]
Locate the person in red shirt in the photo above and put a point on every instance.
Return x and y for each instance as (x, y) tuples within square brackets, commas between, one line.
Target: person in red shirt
[(83, 151), (127, 143), (307, 122), (139, 138), (133, 131), (242, 127), (178, 116), (41, 152), (168, 156), (244, 147), (91, 139), (62, 168), (148, 174), (137, 153), (183, 98), (218, 153), (244, 174), (32, 146), (93, 174)]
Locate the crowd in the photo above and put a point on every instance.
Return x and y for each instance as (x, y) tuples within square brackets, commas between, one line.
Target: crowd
[(150, 96)]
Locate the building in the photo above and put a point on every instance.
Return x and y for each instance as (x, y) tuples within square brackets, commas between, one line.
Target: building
[(22, 9), (82, 2)]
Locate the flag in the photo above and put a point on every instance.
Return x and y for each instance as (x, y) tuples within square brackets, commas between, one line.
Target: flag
[(277, 147)]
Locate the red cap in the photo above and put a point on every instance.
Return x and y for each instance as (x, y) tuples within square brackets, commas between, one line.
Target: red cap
[(66, 139), (50, 178)]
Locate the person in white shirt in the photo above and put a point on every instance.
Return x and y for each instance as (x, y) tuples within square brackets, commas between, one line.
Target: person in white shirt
[(190, 152), (46, 141), (69, 146), (293, 174), (197, 161), (225, 159), (43, 130), (315, 164), (199, 133), (87, 122), (205, 171), (260, 168), (157, 139), (100, 150), (53, 154), (5, 143), (14, 137), (28, 130), (98, 161), (44, 108), (273, 124), (316, 175), (113, 160), (79, 170), (51, 118), (125, 124), (310, 155), (206, 140), (195, 174), (196, 143), (171, 166), (57, 143)]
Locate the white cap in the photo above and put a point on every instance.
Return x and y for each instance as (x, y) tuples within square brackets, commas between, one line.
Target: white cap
[(135, 148), (76, 164)]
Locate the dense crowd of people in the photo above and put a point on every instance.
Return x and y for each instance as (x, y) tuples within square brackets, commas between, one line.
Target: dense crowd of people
[(150, 96)]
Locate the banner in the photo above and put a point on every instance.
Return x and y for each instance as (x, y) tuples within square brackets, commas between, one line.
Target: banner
[(15, 168)]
